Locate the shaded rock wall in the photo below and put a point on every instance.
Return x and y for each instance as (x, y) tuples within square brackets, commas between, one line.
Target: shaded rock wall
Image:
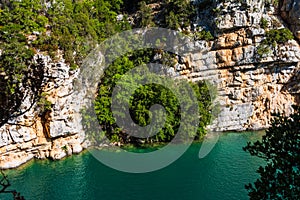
[(290, 12)]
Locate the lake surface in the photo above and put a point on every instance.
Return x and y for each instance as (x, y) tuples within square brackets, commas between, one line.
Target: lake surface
[(219, 176)]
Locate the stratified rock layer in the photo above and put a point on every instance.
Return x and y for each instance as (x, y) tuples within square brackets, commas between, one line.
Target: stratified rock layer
[(250, 87), (52, 134)]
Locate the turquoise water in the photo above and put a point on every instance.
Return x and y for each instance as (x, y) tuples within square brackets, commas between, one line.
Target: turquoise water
[(219, 176)]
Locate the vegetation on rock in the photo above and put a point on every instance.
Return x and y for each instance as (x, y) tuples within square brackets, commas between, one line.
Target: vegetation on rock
[(178, 13), (272, 39), (143, 98), (204, 35), (28, 27), (263, 23), (18, 70), (67, 28)]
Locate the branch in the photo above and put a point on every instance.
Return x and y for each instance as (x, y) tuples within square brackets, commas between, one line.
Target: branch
[(4, 182)]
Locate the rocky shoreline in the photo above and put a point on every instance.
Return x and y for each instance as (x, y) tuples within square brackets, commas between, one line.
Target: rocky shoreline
[(250, 88)]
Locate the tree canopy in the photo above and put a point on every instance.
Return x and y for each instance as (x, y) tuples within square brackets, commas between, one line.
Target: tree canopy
[(280, 178), (31, 26), (142, 99), (71, 29)]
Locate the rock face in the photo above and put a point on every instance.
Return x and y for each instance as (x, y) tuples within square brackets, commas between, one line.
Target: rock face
[(53, 134), (249, 91), (250, 86), (238, 14), (290, 11)]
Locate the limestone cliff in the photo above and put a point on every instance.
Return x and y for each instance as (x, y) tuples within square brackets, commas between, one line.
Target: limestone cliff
[(250, 86), (55, 133)]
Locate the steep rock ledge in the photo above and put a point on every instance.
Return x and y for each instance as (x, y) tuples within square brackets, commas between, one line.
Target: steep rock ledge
[(53, 134), (250, 86)]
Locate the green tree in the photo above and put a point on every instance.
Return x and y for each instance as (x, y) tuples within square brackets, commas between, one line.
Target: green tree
[(146, 17), (178, 13), (204, 35), (143, 98), (18, 70), (28, 26), (278, 36), (76, 27), (280, 178)]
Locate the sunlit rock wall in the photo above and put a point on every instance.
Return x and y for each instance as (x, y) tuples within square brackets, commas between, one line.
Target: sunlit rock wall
[(250, 87), (51, 134)]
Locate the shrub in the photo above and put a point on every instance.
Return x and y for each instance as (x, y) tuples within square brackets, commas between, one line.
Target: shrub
[(204, 35), (143, 98), (278, 36), (72, 26), (273, 38), (263, 23), (263, 50), (178, 13)]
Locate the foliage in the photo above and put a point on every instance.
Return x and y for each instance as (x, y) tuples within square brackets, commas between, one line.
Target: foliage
[(263, 50), (72, 26), (142, 99), (173, 14), (204, 35), (216, 10), (76, 27), (263, 23), (43, 103), (29, 26), (178, 13), (65, 148), (17, 68), (278, 36), (146, 17), (280, 178), (270, 3), (273, 38), (276, 3)]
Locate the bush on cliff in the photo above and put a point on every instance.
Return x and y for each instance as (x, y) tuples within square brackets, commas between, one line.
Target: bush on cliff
[(142, 99), (272, 39), (177, 13)]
